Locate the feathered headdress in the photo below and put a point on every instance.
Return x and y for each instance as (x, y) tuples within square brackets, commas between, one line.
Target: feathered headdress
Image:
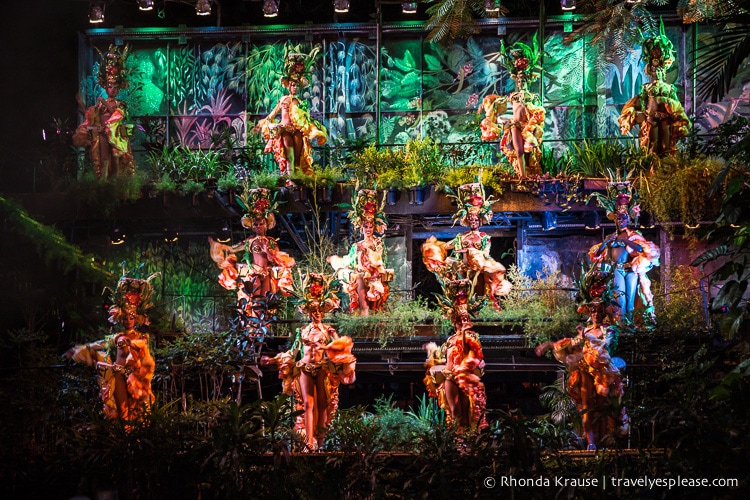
[(132, 296), (595, 287), (521, 60), (112, 69), (458, 297), (658, 52), (366, 207), (621, 197), (258, 203), (298, 66), (471, 199), (317, 291)]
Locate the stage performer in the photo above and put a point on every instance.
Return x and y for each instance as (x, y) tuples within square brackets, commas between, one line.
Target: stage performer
[(657, 111), (363, 270), (123, 359), (593, 375), (629, 253), (104, 130), (291, 138), (318, 362), (521, 135), (454, 369), (264, 268), (468, 254)]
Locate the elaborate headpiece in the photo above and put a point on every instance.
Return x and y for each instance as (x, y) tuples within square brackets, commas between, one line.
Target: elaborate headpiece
[(317, 291), (471, 199), (132, 296), (621, 198), (595, 287), (658, 52), (365, 207), (457, 298), (258, 203), (521, 60), (112, 70), (297, 66)]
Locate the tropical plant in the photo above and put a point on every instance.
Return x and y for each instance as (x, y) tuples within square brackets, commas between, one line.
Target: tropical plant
[(399, 321), (679, 190), (423, 162), (452, 19), (596, 159)]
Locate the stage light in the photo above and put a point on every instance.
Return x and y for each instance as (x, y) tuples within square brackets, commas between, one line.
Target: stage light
[(491, 6), (549, 221), (270, 8), (117, 236), (646, 221), (591, 220), (409, 7), (96, 11), (203, 8), (145, 4), (568, 4), (341, 6), (171, 235), (224, 235)]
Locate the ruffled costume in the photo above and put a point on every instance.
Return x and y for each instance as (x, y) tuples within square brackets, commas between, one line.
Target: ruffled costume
[(300, 124), (467, 362), (365, 260), (435, 255), (493, 127), (338, 363)]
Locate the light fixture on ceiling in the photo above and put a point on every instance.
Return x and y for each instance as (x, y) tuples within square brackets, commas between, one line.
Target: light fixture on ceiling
[(568, 4), (270, 8), (592, 220), (224, 235), (491, 6), (117, 236), (171, 235), (549, 221), (203, 8), (341, 6), (96, 11), (409, 7), (145, 4)]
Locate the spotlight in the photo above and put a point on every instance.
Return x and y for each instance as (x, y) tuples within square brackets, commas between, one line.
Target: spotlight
[(549, 221), (117, 236), (145, 4), (96, 11), (491, 6), (224, 235), (591, 220), (646, 221), (568, 4), (341, 6), (203, 8), (171, 235), (270, 8), (409, 7)]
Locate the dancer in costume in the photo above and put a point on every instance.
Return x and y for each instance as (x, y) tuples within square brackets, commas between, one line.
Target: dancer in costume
[(593, 375), (291, 138), (265, 268), (521, 135), (657, 111), (363, 270), (468, 254), (318, 361), (104, 130), (454, 369), (628, 252), (123, 359)]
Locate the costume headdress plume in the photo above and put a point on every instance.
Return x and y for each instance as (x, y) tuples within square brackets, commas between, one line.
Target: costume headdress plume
[(258, 203), (367, 207), (521, 60), (132, 295), (317, 291), (471, 198), (621, 197), (458, 295), (112, 68), (658, 53), (298, 66)]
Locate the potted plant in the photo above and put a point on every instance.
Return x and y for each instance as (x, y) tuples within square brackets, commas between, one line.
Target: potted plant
[(423, 163), (392, 181)]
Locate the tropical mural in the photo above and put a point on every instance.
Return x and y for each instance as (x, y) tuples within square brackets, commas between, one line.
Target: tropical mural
[(191, 94)]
